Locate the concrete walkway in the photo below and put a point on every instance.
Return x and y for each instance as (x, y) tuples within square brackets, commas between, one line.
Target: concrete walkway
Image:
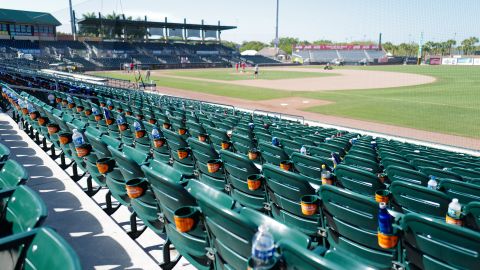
[(98, 240)]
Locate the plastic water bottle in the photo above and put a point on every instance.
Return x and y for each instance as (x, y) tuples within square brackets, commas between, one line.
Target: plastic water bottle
[(251, 125), (454, 213), (137, 126), (30, 107), (106, 113), (263, 248), (109, 103), (120, 120), (384, 219), (303, 150), (275, 141), (155, 134), (69, 100), (77, 138), (95, 111), (432, 183)]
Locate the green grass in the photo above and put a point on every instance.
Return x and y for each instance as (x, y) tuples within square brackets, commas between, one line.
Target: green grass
[(220, 89), (450, 105), (232, 75)]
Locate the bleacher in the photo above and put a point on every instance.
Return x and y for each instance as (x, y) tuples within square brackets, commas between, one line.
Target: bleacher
[(352, 56), (87, 65), (203, 173), (258, 59), (112, 62)]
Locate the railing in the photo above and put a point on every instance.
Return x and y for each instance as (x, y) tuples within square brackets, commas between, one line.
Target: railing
[(280, 115)]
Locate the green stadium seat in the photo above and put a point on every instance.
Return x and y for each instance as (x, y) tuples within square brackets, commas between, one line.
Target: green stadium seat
[(361, 163), (170, 188), (24, 210), (432, 244), (358, 180), (351, 222), (391, 161), (45, 250), (464, 192), (466, 174), (4, 154), (441, 174), (310, 166), (175, 142), (231, 231), (296, 257), (203, 153), (272, 154), (472, 215), (238, 169), (12, 174), (397, 173), (285, 190), (408, 198)]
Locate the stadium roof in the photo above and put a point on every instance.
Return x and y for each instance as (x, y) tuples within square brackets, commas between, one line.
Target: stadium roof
[(150, 24), (27, 17)]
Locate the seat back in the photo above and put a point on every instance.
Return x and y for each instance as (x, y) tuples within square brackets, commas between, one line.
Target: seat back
[(232, 232), (362, 163), (439, 173), (464, 192), (472, 215), (408, 197), (238, 169), (24, 210), (310, 166), (285, 191), (12, 174), (4, 154), (432, 244), (396, 173), (352, 221), (48, 250), (358, 180), (272, 154), (296, 258)]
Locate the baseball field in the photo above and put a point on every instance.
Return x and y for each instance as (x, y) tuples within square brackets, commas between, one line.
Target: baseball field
[(399, 100)]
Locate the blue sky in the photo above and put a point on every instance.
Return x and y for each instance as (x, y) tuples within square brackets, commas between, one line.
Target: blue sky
[(398, 20)]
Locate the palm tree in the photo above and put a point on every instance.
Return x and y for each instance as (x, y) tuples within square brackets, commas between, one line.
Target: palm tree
[(450, 44), (89, 30)]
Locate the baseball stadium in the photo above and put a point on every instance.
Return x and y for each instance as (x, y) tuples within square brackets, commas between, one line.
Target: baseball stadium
[(256, 135)]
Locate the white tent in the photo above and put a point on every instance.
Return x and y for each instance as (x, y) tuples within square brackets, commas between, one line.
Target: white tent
[(249, 52)]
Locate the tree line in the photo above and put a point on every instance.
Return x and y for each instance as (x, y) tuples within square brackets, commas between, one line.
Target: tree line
[(448, 47)]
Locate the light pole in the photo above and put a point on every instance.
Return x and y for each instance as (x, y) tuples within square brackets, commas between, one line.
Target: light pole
[(72, 19), (276, 27)]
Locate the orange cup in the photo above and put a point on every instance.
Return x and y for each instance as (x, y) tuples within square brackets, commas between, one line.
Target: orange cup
[(254, 181), (214, 165), (309, 205), (286, 165), (135, 188), (182, 153), (185, 218), (83, 150), (225, 145), (387, 241), (157, 143), (105, 165)]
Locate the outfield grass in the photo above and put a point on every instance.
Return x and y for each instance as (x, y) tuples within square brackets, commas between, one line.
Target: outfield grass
[(450, 105), (232, 75)]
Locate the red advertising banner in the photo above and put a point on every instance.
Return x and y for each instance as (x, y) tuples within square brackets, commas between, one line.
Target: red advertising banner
[(336, 47)]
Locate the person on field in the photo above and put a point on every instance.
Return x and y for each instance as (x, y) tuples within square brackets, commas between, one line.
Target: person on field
[(147, 76), (244, 65), (131, 66), (255, 72), (237, 65)]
